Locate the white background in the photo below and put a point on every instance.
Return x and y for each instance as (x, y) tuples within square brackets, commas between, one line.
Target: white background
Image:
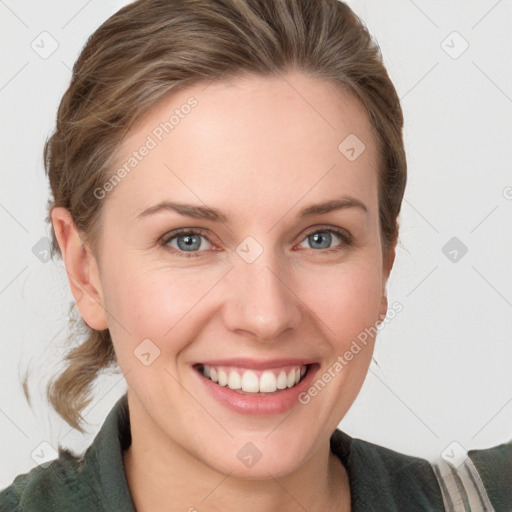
[(444, 361)]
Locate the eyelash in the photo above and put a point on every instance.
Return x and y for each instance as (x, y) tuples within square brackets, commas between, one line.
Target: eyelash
[(346, 240)]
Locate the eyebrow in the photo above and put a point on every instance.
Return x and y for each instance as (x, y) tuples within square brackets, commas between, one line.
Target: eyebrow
[(213, 214)]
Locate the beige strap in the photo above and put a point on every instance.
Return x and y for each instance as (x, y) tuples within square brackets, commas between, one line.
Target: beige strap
[(461, 487)]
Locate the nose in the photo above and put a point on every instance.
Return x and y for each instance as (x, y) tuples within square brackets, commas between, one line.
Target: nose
[(261, 304)]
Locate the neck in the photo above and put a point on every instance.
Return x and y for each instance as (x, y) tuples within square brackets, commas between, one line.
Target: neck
[(160, 473)]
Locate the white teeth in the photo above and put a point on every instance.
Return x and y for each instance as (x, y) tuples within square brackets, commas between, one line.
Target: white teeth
[(234, 380), (250, 382), (281, 380), (268, 382), (223, 378), (290, 382)]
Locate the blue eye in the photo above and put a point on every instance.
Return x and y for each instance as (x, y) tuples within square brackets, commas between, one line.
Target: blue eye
[(186, 242), (322, 239)]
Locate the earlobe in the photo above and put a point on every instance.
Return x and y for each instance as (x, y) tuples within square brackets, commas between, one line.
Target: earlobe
[(383, 308), (388, 265), (81, 268), (390, 260)]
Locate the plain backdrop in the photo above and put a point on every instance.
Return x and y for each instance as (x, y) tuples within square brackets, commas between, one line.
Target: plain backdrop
[(443, 370)]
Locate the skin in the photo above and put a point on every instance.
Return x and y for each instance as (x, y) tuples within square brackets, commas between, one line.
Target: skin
[(256, 150)]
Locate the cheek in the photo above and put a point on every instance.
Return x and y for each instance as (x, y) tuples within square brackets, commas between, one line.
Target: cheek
[(346, 299), (159, 304)]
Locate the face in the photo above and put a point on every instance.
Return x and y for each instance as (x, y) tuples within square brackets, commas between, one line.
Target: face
[(248, 286)]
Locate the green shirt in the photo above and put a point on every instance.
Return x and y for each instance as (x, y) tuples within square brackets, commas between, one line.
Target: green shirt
[(380, 479)]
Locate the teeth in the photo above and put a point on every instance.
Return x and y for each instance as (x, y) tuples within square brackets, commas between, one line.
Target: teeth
[(250, 381), (268, 382), (281, 381), (291, 379), (234, 380), (223, 378)]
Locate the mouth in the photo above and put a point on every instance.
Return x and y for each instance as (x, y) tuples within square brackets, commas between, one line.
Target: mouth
[(256, 387), (255, 382)]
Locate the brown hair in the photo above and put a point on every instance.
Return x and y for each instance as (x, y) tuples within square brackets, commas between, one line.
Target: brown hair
[(151, 46)]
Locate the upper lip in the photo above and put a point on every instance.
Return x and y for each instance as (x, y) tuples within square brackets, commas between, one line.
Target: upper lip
[(257, 364)]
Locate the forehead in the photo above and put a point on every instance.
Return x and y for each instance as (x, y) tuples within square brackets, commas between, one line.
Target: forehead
[(258, 140)]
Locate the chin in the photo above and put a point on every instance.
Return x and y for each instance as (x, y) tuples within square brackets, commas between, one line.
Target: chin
[(259, 457)]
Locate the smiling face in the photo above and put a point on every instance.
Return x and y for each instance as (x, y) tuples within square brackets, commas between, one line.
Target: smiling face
[(258, 284)]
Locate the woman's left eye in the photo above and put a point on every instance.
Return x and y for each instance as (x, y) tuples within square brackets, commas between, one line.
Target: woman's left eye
[(322, 239)]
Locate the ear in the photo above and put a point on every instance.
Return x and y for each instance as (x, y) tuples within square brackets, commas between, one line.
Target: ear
[(387, 266), (81, 268)]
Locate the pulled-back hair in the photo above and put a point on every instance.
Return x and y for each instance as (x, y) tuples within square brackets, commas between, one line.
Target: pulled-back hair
[(151, 46)]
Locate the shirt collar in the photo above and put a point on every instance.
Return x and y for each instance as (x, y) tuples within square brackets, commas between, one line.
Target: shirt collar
[(104, 458)]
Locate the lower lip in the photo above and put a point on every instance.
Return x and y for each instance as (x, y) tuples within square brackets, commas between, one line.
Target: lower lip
[(259, 405)]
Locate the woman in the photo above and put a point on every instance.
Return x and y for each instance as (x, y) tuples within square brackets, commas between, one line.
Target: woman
[(226, 179)]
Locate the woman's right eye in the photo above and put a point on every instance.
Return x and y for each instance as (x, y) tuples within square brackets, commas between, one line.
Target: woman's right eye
[(186, 243)]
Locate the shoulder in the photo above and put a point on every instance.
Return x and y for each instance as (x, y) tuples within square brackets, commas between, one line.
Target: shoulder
[(381, 477), (94, 482), (477, 480), (58, 485)]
